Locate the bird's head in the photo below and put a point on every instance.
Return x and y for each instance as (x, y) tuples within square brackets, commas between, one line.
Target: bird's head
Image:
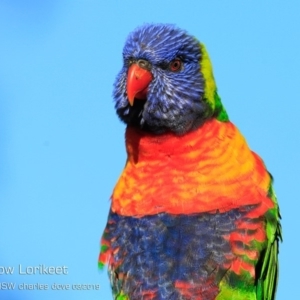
[(166, 82)]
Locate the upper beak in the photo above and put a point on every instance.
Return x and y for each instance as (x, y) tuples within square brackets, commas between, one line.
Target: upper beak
[(138, 80)]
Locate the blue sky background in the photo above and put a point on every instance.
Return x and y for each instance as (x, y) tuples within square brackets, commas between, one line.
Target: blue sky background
[(62, 145)]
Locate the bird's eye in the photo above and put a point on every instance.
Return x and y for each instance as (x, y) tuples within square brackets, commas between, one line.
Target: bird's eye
[(175, 65), (130, 61)]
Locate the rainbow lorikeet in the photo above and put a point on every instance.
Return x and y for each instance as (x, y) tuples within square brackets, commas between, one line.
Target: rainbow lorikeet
[(194, 214)]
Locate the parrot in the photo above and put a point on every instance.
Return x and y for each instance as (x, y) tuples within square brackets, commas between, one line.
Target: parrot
[(193, 215)]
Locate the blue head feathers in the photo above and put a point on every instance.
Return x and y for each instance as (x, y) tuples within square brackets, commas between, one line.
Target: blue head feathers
[(175, 96)]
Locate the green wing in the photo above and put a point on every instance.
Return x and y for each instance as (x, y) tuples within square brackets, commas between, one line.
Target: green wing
[(267, 267)]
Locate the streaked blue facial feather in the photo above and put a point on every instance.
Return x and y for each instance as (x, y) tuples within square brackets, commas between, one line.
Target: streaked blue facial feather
[(175, 99)]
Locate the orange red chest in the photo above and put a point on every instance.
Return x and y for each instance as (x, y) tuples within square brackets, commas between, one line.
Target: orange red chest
[(205, 170)]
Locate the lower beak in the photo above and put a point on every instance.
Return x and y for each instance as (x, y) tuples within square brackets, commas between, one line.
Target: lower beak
[(138, 80)]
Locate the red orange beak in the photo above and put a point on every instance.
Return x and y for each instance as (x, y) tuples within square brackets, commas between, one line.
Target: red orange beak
[(138, 80)]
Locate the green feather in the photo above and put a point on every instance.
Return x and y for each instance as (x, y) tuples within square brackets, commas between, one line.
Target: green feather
[(220, 111), (268, 272)]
